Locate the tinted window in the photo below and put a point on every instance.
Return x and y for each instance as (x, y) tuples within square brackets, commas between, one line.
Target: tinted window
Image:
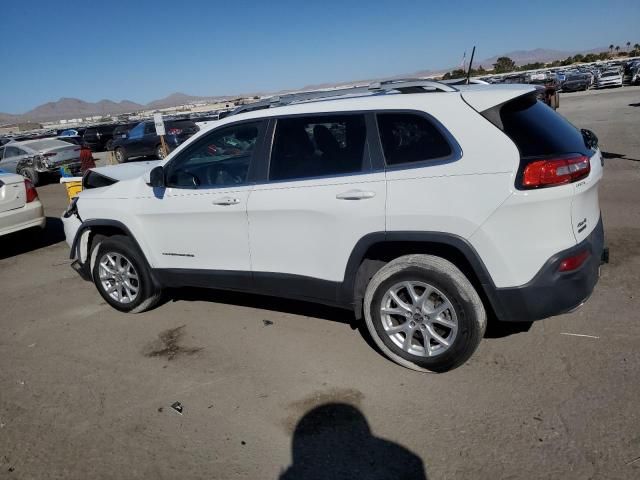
[(149, 128), (537, 130), (408, 138), (317, 146), (220, 159), (13, 152), (137, 131)]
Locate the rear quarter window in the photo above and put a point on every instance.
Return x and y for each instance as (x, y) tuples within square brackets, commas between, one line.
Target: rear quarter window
[(410, 138), (537, 130)]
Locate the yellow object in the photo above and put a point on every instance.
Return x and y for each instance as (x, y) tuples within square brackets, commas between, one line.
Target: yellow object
[(73, 186)]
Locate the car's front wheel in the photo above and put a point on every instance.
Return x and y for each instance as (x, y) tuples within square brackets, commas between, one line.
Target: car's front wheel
[(423, 313), (121, 275), (121, 155)]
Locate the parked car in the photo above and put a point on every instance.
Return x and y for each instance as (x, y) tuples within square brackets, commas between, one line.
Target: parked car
[(576, 82), (609, 78), (20, 207), (420, 207), (120, 131), (97, 137), (142, 139), (36, 158)]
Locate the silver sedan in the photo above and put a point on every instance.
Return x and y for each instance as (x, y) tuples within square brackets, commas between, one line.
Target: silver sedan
[(33, 158)]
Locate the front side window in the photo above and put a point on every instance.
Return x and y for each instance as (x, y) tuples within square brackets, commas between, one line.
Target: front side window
[(306, 147), (220, 159), (137, 131), (409, 138), (149, 128)]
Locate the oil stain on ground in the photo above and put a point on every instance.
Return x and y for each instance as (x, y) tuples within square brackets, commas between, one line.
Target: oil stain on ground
[(334, 395), (168, 345)]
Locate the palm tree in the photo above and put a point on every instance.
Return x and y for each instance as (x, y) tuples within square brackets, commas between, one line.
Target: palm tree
[(636, 46), (611, 48), (628, 45), (617, 48)]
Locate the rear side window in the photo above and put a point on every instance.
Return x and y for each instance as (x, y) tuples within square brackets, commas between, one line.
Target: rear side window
[(306, 147), (538, 131), (410, 138)]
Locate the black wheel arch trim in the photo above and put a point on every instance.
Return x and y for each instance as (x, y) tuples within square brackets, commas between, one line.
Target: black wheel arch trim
[(346, 293), (89, 224)]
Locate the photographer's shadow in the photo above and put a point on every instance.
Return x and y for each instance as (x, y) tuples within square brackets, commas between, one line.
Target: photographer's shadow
[(334, 441)]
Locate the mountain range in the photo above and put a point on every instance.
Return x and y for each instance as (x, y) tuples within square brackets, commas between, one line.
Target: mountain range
[(66, 108)]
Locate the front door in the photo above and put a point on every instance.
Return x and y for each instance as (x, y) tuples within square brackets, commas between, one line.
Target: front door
[(198, 223)]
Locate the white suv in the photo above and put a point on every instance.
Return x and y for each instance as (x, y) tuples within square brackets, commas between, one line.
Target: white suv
[(420, 206)]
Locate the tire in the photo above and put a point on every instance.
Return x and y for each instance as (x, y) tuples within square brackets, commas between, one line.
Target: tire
[(109, 145), (461, 323), (32, 175), (121, 155), (160, 152), (118, 255)]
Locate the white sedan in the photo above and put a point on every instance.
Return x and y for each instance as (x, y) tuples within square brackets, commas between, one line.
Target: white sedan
[(610, 78), (20, 207)]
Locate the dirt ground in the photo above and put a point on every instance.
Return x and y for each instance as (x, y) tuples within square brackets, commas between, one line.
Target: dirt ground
[(273, 389)]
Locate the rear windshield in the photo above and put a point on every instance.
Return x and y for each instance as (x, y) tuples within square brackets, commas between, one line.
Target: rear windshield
[(45, 144), (538, 131)]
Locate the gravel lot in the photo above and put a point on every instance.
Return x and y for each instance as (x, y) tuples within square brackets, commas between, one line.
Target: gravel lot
[(85, 392)]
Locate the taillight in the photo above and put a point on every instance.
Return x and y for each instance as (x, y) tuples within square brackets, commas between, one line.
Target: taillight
[(575, 261), (32, 194), (556, 171), (174, 131)]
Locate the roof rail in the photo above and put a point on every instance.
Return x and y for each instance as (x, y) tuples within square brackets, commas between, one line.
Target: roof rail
[(402, 86), (411, 85)]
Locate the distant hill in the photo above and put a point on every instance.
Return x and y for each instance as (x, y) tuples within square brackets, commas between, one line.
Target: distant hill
[(74, 107), (66, 108), (522, 57), (180, 99)]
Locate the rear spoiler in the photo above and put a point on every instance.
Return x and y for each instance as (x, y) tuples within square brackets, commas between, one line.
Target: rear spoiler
[(484, 97)]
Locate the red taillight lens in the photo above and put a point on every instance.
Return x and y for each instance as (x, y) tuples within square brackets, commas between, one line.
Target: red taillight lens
[(32, 194), (575, 261), (558, 171), (174, 131)]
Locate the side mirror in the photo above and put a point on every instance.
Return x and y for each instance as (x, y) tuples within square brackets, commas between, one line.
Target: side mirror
[(156, 177)]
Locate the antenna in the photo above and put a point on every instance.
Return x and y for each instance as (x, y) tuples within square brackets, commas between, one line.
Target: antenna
[(473, 52)]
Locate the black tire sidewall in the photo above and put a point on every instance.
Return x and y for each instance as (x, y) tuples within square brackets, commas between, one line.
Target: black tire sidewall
[(468, 327), (121, 155), (125, 247), (32, 175)]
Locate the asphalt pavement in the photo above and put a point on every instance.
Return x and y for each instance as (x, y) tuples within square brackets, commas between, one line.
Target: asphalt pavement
[(275, 389)]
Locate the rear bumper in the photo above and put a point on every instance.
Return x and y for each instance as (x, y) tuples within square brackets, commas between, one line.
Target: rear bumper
[(552, 292), (29, 216)]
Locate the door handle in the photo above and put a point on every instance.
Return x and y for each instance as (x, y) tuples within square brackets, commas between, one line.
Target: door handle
[(355, 195), (226, 201)]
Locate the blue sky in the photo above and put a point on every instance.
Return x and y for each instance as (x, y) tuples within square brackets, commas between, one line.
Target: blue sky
[(145, 50)]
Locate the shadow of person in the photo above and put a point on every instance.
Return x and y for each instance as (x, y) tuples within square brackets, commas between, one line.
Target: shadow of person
[(334, 441)]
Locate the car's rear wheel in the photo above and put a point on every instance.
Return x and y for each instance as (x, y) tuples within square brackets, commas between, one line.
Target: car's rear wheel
[(423, 313), (121, 275), (160, 152), (32, 175), (121, 155)]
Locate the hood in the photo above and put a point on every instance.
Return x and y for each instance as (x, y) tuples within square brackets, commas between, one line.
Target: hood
[(126, 171)]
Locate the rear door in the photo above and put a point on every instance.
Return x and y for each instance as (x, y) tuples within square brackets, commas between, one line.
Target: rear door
[(320, 197), (12, 192), (150, 141)]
